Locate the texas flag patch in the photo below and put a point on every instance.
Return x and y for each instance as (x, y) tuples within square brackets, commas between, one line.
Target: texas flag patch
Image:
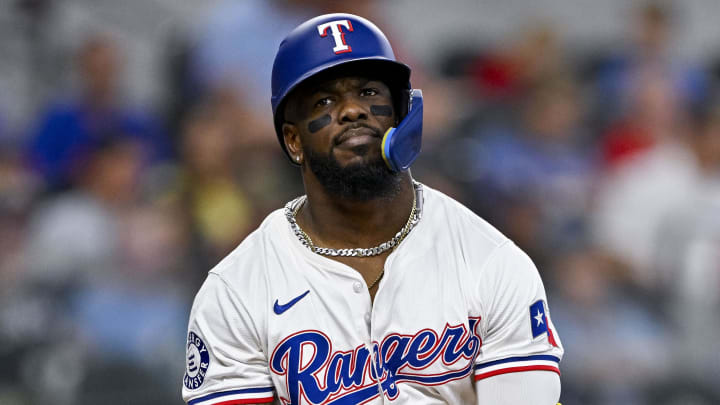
[(539, 322)]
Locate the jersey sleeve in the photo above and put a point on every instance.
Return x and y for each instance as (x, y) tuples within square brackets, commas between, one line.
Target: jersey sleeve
[(225, 363), (515, 326)]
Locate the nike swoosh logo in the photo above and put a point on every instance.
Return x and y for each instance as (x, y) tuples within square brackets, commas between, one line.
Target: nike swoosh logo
[(279, 309)]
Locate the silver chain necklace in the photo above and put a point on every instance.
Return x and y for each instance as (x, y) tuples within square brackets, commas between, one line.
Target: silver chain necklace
[(292, 207)]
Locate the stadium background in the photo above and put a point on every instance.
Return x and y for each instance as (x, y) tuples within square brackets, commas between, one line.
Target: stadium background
[(136, 149)]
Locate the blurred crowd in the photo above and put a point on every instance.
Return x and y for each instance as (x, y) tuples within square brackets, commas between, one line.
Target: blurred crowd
[(604, 167)]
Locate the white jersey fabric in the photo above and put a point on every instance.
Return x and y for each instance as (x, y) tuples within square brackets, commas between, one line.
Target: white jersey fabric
[(458, 303)]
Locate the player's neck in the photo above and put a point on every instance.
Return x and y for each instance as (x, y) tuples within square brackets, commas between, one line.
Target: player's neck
[(343, 223)]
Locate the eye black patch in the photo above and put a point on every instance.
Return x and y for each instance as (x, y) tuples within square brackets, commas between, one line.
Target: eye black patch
[(318, 124), (384, 110)]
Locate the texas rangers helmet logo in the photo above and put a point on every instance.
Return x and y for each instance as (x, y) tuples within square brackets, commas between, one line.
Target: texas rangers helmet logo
[(198, 361), (337, 34)]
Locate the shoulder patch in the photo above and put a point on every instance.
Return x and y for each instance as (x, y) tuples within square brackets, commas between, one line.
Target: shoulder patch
[(539, 322), (197, 362)]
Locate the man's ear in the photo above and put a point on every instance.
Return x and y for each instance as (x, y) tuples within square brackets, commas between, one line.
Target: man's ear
[(291, 136)]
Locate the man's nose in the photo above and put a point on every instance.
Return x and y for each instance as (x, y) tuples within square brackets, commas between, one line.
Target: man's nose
[(352, 110)]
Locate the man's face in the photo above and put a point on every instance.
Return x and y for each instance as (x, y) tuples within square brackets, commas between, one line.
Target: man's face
[(336, 125)]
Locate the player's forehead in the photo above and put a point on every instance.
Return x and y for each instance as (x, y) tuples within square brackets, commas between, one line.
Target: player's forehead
[(335, 82)]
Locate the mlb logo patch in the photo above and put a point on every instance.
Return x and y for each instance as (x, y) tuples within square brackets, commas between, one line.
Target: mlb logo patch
[(539, 322)]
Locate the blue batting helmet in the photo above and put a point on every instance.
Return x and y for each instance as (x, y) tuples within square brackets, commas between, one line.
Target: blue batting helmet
[(326, 42)]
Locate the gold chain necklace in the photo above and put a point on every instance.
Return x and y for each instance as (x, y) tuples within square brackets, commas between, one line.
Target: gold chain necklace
[(382, 273)]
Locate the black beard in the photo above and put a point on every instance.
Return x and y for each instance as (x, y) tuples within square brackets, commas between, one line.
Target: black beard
[(358, 182)]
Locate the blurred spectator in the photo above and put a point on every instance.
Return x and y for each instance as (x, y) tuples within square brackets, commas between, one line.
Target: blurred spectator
[(652, 169), (634, 199), (220, 211), (644, 87), (72, 127), (228, 183), (144, 290), (77, 231), (18, 190), (654, 115), (614, 345), (537, 175), (687, 255), (106, 271), (507, 71)]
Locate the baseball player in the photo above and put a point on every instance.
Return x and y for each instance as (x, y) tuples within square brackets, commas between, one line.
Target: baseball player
[(372, 288)]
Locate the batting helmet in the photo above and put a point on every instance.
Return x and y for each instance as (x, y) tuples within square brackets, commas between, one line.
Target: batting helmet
[(326, 42)]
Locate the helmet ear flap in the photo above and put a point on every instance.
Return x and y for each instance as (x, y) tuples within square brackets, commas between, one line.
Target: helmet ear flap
[(401, 144)]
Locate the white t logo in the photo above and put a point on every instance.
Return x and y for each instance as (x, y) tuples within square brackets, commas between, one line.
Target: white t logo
[(338, 35)]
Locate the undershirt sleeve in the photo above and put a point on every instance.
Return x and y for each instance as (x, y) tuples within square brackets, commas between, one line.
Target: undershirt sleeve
[(529, 387)]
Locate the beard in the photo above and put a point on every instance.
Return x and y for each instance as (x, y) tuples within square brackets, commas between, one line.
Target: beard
[(362, 181)]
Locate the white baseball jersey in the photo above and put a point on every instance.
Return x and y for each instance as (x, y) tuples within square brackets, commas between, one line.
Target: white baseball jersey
[(459, 302)]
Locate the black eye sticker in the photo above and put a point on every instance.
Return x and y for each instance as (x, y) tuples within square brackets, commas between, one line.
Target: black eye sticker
[(318, 124), (383, 110)]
